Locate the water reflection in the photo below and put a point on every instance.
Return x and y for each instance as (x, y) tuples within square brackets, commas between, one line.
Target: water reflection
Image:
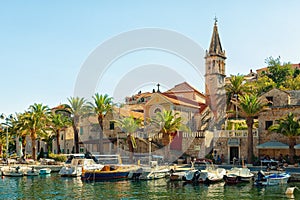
[(56, 187)]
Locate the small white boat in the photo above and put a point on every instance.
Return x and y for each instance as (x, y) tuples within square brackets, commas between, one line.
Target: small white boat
[(211, 174), (149, 172), (30, 171), (236, 175), (45, 171), (272, 179), (77, 165), (191, 175), (12, 171)]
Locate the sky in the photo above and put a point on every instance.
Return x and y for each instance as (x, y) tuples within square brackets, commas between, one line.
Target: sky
[(46, 45)]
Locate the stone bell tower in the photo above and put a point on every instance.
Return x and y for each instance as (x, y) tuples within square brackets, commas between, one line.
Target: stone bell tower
[(215, 80)]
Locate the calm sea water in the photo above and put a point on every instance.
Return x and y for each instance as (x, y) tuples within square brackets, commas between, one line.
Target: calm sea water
[(56, 187)]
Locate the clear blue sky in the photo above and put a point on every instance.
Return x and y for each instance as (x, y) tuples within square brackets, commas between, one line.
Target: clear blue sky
[(43, 44)]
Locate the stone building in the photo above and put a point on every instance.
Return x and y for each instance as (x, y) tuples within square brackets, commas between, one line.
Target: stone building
[(282, 103)]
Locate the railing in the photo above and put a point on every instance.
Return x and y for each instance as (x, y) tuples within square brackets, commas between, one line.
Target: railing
[(201, 134), (234, 133)]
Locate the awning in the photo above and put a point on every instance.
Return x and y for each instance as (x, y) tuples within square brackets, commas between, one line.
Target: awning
[(273, 145), (297, 146)]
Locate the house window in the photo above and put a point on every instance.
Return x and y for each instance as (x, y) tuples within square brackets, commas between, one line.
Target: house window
[(111, 125), (268, 124), (81, 130), (62, 137), (270, 99)]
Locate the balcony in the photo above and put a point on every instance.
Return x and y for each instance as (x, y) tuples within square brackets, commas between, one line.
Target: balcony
[(234, 133)]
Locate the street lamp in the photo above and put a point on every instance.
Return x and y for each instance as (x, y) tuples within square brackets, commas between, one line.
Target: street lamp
[(150, 139)]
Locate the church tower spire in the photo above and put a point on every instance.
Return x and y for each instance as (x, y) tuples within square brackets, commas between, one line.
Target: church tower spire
[(215, 47), (215, 78)]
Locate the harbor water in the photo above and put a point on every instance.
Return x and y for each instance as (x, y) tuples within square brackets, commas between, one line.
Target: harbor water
[(55, 187)]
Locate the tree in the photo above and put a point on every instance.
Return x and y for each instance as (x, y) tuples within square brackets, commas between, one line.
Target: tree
[(77, 107), (168, 123), (101, 106), (57, 123), (288, 126), (5, 133), (130, 125), (291, 84), (250, 106), (35, 121), (234, 88), (262, 85), (278, 71), (18, 126)]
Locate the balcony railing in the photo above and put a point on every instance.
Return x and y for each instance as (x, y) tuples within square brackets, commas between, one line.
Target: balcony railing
[(234, 133)]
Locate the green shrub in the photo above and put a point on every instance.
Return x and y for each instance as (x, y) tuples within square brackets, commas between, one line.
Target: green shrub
[(58, 157)]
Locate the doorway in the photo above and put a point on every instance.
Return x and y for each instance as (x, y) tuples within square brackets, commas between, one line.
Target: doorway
[(233, 152)]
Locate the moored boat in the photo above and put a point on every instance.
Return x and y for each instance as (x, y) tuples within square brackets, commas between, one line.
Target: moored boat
[(44, 171), (238, 175), (211, 174), (191, 176), (77, 165), (30, 171), (112, 169), (271, 179), (149, 172), (14, 171)]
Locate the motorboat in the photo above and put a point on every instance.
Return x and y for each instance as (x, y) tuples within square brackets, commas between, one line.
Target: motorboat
[(74, 169), (30, 171), (149, 172), (237, 175), (14, 171), (45, 171), (112, 169), (271, 179), (211, 174), (177, 173), (191, 176)]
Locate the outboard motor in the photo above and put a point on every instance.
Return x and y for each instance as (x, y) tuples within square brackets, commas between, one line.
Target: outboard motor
[(260, 177)]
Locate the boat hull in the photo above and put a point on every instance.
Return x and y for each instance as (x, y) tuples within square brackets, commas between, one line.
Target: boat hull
[(88, 176), (272, 179)]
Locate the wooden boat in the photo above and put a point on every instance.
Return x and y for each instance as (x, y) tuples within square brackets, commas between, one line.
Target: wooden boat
[(272, 179), (238, 175), (45, 171), (30, 171), (12, 171), (77, 165), (112, 169)]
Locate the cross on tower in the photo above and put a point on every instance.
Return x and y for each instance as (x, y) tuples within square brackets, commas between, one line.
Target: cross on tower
[(216, 20), (158, 87)]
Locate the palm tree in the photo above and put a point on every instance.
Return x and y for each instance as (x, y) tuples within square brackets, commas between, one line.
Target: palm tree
[(234, 88), (35, 122), (18, 125), (250, 106), (77, 108), (57, 123), (101, 106), (168, 124), (288, 126), (129, 125)]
